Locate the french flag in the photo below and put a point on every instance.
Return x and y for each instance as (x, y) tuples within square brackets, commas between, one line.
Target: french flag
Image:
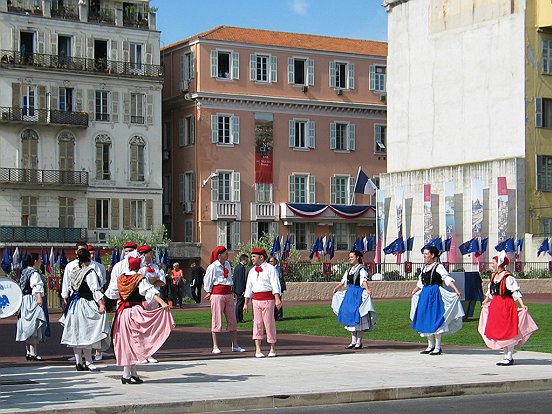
[(364, 185)]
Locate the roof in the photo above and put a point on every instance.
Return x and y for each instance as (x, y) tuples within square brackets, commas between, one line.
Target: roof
[(293, 40)]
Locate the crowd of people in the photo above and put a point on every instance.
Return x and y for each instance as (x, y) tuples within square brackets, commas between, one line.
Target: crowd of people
[(142, 294)]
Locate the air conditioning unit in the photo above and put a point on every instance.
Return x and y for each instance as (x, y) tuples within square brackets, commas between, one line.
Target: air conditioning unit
[(305, 88), (382, 97), (184, 86), (339, 91), (187, 207), (102, 237), (166, 155)]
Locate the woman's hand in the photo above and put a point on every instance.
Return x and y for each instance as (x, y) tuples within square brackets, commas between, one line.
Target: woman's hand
[(207, 296), (39, 300), (101, 307), (369, 291)]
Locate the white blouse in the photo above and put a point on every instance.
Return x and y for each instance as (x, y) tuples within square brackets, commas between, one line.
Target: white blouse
[(447, 280), (145, 288), (511, 284), (214, 275), (265, 281), (37, 285), (363, 276)]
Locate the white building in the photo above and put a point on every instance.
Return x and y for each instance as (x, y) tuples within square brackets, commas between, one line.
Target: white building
[(80, 120)]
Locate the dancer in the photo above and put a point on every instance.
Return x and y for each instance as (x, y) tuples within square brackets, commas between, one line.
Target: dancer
[(263, 289), (218, 285), (137, 333), (85, 323), (354, 308), (435, 311), (31, 323), (502, 324)]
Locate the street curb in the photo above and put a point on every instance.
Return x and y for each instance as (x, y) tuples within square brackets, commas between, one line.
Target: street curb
[(322, 398)]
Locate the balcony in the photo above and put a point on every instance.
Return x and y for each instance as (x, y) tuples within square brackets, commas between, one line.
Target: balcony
[(225, 210), (21, 234), (326, 213), (43, 177), (264, 211), (9, 58), (43, 116)]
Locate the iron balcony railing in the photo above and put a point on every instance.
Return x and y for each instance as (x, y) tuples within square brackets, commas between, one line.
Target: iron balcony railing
[(77, 64), (22, 234), (49, 177), (45, 116)]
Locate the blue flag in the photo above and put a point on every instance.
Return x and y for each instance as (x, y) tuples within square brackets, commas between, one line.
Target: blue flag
[(409, 244), (315, 248), (519, 245), (448, 243), (371, 246), (436, 242), (275, 246), (63, 259), (364, 185), (543, 247), (97, 256), (396, 246), (331, 248), (471, 246), (6, 261), (44, 261), (114, 258), (482, 246), (166, 258), (510, 247)]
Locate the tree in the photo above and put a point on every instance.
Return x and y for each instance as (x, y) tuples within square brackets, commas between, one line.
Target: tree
[(155, 238)]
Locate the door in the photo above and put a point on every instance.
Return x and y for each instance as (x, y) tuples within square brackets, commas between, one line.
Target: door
[(28, 103)]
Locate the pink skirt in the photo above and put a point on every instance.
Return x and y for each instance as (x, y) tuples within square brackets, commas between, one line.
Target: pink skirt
[(139, 333), (526, 326)]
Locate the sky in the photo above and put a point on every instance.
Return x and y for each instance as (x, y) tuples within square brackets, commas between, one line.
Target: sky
[(357, 19)]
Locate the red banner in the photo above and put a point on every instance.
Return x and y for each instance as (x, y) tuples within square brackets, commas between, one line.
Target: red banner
[(327, 268), (263, 148), (407, 267), (518, 267)]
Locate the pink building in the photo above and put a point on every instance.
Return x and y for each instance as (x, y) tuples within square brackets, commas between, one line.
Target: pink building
[(264, 132)]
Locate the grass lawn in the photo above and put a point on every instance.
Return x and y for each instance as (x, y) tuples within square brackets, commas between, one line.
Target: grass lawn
[(393, 324)]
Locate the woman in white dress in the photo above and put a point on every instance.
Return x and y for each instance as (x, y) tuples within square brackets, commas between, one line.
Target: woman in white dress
[(354, 307), (31, 323)]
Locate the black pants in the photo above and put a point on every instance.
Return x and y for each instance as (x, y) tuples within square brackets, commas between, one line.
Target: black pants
[(239, 307), (196, 293)]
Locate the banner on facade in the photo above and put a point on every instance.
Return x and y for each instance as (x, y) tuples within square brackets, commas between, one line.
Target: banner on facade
[(477, 216), (428, 219), (502, 197), (450, 221), (380, 223), (399, 204), (263, 148)]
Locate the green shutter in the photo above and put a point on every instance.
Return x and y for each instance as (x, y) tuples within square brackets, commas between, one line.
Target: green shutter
[(126, 214), (149, 214), (91, 213)]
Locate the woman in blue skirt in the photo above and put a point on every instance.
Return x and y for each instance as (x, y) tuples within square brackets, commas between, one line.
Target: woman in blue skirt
[(434, 310)]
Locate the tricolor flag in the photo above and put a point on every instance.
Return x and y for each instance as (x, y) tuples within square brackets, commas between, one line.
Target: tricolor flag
[(364, 185), (543, 247), (51, 262), (6, 261)]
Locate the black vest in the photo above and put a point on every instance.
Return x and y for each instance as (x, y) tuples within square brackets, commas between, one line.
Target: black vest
[(432, 277), (354, 278), (495, 287)]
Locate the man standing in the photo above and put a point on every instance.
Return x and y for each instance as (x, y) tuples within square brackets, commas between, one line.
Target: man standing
[(198, 273), (240, 278), (177, 283), (66, 281)]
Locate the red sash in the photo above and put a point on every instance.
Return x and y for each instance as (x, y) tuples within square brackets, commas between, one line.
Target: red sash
[(221, 290), (263, 296)]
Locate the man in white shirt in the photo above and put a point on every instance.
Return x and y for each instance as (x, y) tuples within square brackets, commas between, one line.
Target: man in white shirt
[(122, 266), (66, 282)]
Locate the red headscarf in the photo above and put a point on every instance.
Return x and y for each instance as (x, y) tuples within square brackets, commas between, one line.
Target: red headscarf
[(134, 264), (214, 254)]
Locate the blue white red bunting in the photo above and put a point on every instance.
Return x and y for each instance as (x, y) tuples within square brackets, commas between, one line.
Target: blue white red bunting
[(307, 210), (350, 211), (313, 210)]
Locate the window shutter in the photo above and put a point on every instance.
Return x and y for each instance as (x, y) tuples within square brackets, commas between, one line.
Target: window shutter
[(91, 213), (115, 213), (149, 109), (312, 133), (181, 125), (351, 195), (332, 190), (115, 106), (291, 70), (126, 108), (333, 81), (54, 99), (99, 163), (235, 65), (192, 131), (126, 51), (113, 50), (291, 189), (254, 231), (312, 188), (78, 47), (214, 63), (273, 69), (126, 214), (149, 214), (53, 44), (273, 227), (235, 128), (91, 102), (252, 67), (149, 55), (333, 135), (41, 102), (192, 187), (78, 100), (192, 65), (352, 137), (236, 187), (90, 48), (214, 129), (372, 77), (15, 39), (16, 95), (221, 233), (538, 113), (182, 67), (181, 189), (291, 133), (40, 42), (310, 71), (214, 189), (235, 233), (351, 75)]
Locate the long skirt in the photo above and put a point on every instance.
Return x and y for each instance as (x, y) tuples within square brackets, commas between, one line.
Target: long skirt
[(492, 316), (84, 326), (139, 333), (354, 309), (31, 324), (435, 310)]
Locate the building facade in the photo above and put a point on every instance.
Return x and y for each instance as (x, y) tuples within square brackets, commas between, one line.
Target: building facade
[(264, 132), (80, 121), (469, 84)]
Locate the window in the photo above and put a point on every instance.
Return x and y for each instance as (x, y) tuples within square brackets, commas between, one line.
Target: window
[(228, 234), (301, 134), (262, 228), (380, 139), (66, 212), (137, 108), (543, 112), (102, 214), (225, 129), (302, 235), (66, 99), (186, 133), (186, 191), (102, 106), (137, 214), (29, 149), (187, 66), (342, 136), (137, 161), (263, 68), (188, 231), (547, 57), (225, 64), (546, 226), (103, 148), (544, 173), (29, 216), (344, 235), (342, 75), (302, 188), (226, 186), (377, 78), (342, 189), (66, 146), (28, 103), (263, 193), (301, 71), (136, 58)]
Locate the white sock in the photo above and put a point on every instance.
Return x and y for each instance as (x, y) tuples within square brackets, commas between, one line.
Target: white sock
[(430, 342), (360, 334), (508, 351), (126, 372), (133, 371), (28, 349), (32, 349), (87, 355), (78, 355), (353, 338), (438, 341)]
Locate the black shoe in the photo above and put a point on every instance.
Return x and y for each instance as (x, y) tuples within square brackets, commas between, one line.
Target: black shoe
[(427, 351), (350, 346), (131, 380), (503, 363), (82, 367), (137, 380), (435, 352), (28, 357), (358, 346), (35, 358), (241, 321)]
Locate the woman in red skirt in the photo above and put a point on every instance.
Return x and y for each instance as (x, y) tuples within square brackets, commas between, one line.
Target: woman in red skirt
[(501, 324)]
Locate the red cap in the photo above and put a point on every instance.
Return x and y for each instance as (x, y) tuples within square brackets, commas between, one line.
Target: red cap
[(257, 250), (130, 245), (134, 264), (91, 248), (144, 249), (214, 254)]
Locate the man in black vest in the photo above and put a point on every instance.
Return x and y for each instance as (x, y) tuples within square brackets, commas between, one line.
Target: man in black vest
[(240, 279)]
